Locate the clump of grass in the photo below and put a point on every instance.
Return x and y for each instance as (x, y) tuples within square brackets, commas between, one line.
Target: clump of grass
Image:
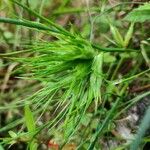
[(68, 65), (71, 71)]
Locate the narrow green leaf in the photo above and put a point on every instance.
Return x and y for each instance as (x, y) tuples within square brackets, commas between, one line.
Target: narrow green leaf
[(145, 55), (52, 24), (43, 27), (33, 145), (116, 35), (145, 124), (129, 34), (133, 102), (29, 119), (27, 23), (30, 123), (102, 126), (130, 78), (97, 77)]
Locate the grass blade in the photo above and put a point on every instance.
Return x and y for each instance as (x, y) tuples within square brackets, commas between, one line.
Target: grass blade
[(117, 36), (129, 34), (29, 119), (59, 28), (27, 23), (145, 124)]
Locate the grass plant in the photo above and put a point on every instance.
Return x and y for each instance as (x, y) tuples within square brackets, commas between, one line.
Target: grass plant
[(77, 77)]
